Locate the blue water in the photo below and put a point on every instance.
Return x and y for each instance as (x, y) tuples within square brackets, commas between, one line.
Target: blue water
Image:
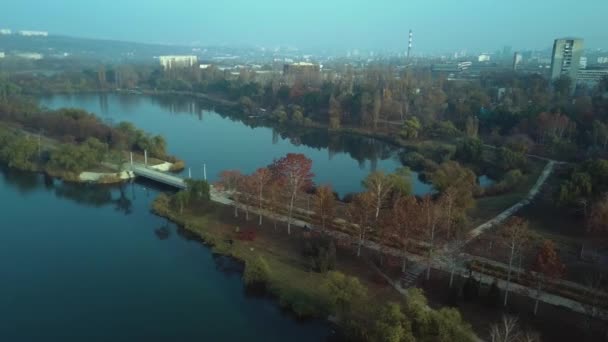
[(83, 263), (201, 136)]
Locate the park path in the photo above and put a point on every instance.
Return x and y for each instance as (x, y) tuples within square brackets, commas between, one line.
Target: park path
[(445, 258)]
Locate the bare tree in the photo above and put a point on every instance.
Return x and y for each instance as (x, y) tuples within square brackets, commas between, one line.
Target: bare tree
[(508, 330), (361, 212), (516, 233), (432, 215), (261, 177), (230, 180), (402, 221)]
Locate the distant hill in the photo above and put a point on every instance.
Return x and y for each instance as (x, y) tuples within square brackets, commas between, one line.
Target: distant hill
[(85, 48)]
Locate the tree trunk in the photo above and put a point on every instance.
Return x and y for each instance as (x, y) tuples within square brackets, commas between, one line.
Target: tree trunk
[(403, 263), (452, 275), (361, 240), (537, 299), (430, 256), (236, 210), (260, 209), (293, 198), (509, 274)]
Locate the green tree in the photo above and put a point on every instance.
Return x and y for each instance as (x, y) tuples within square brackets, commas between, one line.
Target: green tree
[(181, 200), (411, 128), (279, 114), (470, 150), (198, 189), (20, 153), (343, 291), (391, 325), (452, 175)]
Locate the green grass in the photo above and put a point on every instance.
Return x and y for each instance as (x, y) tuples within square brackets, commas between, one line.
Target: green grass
[(291, 282), (490, 206)]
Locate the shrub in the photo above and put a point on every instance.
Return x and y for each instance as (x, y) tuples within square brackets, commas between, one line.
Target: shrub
[(257, 273)]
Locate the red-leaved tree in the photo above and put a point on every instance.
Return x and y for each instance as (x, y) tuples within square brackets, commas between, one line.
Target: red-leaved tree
[(294, 172)]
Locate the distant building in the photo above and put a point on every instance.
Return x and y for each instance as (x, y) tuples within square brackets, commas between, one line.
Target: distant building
[(565, 59), (450, 67), (518, 58), (484, 57), (583, 63), (2, 55), (300, 68), (591, 77), (30, 55), (33, 33), (5, 31), (170, 62), (602, 60)]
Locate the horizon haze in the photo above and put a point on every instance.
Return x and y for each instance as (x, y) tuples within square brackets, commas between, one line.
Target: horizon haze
[(340, 24)]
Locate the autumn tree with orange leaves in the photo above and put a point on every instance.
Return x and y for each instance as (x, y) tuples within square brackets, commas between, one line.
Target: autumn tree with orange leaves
[(324, 203), (547, 266)]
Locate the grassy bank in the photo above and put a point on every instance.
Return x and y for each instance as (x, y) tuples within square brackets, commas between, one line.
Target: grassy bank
[(291, 278)]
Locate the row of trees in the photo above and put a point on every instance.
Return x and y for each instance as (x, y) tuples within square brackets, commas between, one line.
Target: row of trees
[(386, 211)]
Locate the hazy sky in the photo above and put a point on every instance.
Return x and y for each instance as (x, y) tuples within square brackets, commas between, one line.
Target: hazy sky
[(439, 25)]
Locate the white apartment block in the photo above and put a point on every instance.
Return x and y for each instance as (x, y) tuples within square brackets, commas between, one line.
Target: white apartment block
[(169, 62), (30, 55), (33, 33)]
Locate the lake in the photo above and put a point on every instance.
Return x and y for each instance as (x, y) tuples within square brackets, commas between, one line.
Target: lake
[(202, 136), (83, 263)]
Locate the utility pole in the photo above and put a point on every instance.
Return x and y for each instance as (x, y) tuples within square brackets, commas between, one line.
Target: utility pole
[(146, 157), (131, 154), (190, 172), (204, 171), (38, 146)]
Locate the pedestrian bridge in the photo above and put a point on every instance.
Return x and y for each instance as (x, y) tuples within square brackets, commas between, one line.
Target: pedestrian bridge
[(144, 171), (141, 170)]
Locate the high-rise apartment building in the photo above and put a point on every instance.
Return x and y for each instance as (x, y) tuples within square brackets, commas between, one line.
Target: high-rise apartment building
[(565, 60)]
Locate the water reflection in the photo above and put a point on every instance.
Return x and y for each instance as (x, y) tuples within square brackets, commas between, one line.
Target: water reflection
[(362, 149), (24, 182), (90, 195)]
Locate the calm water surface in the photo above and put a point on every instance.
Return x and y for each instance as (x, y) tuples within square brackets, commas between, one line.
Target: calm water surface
[(199, 136), (83, 263)]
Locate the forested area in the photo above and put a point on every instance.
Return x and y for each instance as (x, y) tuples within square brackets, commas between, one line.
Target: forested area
[(501, 107), (65, 140)]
